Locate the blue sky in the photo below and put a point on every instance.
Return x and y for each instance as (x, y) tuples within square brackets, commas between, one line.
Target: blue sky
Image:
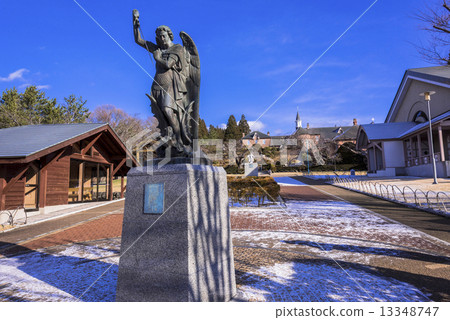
[(250, 52)]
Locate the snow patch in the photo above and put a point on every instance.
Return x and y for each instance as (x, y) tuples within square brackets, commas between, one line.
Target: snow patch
[(319, 282)]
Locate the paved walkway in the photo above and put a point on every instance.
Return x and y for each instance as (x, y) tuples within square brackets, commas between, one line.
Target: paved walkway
[(96, 223)]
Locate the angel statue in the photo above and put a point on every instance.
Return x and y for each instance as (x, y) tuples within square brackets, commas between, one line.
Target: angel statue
[(175, 89)]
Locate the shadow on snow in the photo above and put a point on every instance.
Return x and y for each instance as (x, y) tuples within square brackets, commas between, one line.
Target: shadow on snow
[(373, 250), (72, 275)]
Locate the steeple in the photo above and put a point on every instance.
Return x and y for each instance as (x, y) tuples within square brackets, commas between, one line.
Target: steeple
[(298, 121)]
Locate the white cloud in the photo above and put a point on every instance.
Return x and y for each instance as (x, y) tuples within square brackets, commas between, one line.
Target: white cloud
[(44, 86), (39, 87), (256, 125), (297, 67), (333, 63), (278, 132), (223, 126), (16, 75)]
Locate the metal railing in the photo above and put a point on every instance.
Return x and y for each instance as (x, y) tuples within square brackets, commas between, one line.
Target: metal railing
[(10, 216), (431, 200)]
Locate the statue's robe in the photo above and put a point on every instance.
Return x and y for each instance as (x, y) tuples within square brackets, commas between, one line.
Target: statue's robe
[(169, 86)]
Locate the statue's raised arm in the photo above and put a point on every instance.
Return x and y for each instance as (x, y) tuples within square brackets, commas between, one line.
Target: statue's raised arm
[(148, 45)]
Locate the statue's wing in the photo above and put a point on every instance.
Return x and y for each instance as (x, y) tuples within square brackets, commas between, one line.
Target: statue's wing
[(192, 82)]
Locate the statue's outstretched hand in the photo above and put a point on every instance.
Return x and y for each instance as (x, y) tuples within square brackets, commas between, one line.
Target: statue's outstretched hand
[(136, 23)]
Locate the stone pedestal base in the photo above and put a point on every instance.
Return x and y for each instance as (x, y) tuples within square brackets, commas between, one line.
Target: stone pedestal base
[(185, 253)]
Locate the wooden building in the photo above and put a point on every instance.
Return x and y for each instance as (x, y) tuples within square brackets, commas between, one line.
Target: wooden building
[(46, 165)]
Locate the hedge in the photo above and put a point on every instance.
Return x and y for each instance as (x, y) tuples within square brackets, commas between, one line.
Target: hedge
[(242, 190)]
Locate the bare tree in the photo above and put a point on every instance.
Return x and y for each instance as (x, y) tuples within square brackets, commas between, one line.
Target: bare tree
[(437, 24), (328, 151), (125, 125)]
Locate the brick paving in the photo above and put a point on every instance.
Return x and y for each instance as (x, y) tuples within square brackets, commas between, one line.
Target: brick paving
[(40, 229), (304, 193), (105, 227), (92, 224)]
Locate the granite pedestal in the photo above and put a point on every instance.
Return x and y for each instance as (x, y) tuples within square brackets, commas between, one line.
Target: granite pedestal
[(184, 253)]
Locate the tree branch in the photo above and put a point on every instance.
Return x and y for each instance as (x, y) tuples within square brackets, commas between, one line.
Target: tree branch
[(442, 29)]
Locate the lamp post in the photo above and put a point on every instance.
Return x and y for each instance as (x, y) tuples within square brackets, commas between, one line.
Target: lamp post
[(427, 96)]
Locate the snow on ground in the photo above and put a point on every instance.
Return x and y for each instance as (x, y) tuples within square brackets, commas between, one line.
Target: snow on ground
[(336, 218), (305, 282), (62, 273), (343, 240), (321, 231), (253, 202)]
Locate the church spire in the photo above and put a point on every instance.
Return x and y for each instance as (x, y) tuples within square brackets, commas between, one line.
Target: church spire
[(298, 121)]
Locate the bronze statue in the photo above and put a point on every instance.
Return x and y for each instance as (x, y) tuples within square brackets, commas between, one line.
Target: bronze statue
[(175, 89)]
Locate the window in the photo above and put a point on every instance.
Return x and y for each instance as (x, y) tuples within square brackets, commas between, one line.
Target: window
[(420, 117)]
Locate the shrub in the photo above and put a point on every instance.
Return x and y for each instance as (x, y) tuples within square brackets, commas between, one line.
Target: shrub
[(234, 170), (243, 190)]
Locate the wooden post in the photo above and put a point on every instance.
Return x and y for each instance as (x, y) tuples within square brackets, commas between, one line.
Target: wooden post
[(98, 180), (110, 174), (411, 150), (375, 158), (121, 185), (405, 152), (80, 181), (2, 186), (43, 184), (441, 143), (419, 142)]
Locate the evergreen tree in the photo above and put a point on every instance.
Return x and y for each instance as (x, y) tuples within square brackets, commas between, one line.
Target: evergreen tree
[(244, 128), (38, 108), (232, 130), (11, 113), (202, 129), (74, 111), (215, 132), (34, 107), (211, 132), (220, 133)]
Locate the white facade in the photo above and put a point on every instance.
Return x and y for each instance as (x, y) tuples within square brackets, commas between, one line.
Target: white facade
[(394, 154), (401, 145)]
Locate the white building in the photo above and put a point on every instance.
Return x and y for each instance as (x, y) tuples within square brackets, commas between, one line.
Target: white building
[(401, 145)]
